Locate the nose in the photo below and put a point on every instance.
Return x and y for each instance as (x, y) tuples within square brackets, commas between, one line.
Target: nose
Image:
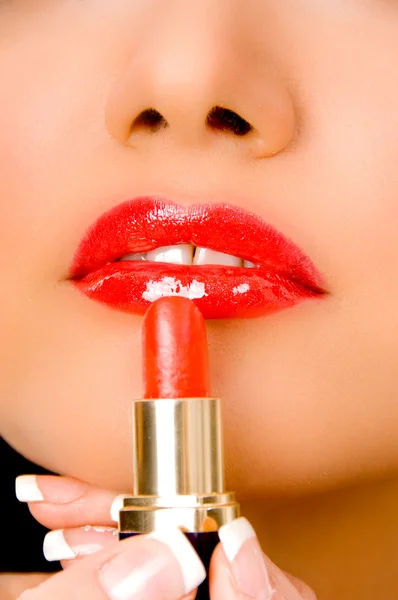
[(203, 73)]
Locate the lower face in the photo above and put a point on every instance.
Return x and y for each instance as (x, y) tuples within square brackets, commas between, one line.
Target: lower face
[(309, 392)]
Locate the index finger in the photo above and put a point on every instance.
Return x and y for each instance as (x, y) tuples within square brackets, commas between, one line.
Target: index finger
[(61, 502)]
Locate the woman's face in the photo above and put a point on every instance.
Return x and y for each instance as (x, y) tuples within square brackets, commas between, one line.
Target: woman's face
[(309, 393)]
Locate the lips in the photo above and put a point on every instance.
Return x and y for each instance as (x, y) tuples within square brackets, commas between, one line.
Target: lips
[(283, 275)]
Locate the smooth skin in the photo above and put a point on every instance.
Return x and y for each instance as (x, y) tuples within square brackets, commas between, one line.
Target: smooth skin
[(310, 408)]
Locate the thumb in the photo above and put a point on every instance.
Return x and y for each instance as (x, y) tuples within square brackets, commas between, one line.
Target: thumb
[(240, 571), (162, 565)]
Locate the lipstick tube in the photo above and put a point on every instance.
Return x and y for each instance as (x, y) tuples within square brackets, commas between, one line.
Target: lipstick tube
[(179, 472), (177, 438)]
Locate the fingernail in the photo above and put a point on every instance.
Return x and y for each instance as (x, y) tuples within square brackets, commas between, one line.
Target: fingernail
[(245, 556), (117, 505), (192, 569), (27, 490), (68, 544), (48, 488), (160, 565)]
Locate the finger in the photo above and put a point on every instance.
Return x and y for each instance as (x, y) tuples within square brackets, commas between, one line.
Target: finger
[(159, 566), (72, 545), (306, 592), (61, 502), (239, 570)]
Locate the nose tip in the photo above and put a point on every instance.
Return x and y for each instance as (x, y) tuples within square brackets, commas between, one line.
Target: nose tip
[(201, 83)]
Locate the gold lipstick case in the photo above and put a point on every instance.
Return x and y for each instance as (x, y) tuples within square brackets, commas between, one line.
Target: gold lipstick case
[(179, 473)]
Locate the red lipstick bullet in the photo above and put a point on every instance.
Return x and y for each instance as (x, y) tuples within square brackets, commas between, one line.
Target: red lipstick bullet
[(175, 356), (177, 445)]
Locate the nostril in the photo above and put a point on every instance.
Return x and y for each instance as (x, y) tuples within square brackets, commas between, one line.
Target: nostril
[(219, 118), (150, 119), (228, 120)]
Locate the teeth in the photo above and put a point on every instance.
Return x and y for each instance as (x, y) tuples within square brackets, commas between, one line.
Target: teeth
[(186, 254), (180, 254), (135, 256), (204, 256)]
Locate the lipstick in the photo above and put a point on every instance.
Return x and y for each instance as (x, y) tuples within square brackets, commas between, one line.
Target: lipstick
[(177, 438)]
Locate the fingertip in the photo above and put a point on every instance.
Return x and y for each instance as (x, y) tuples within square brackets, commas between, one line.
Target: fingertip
[(246, 560), (27, 489), (192, 568), (117, 506), (218, 559), (54, 489), (220, 577), (163, 563), (55, 547)]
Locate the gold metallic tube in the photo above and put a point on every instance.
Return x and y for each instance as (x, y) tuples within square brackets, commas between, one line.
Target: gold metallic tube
[(178, 468), (177, 447)]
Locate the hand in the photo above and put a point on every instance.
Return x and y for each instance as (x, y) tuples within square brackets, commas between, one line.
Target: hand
[(82, 519)]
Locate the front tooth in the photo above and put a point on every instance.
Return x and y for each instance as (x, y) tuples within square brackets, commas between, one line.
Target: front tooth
[(135, 256), (204, 256), (248, 264), (181, 254)]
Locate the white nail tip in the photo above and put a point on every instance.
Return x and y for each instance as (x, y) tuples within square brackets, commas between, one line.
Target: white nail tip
[(27, 490), (116, 507), (55, 547), (192, 568), (234, 535)]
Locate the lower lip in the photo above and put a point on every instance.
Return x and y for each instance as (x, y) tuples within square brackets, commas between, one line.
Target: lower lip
[(219, 292)]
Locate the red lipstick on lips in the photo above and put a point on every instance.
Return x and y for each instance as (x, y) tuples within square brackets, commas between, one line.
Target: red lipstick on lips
[(283, 275), (177, 447)]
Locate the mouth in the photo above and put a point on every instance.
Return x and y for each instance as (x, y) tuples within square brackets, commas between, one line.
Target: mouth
[(227, 260)]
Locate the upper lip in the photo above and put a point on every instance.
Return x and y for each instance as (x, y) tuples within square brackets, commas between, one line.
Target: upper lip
[(146, 223)]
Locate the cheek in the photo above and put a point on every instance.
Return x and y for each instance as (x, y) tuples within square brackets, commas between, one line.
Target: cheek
[(52, 135), (54, 348), (355, 171), (69, 369)]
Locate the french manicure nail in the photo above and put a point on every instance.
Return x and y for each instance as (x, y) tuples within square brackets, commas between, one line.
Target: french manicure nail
[(68, 544), (193, 571), (170, 569), (49, 488), (27, 490), (117, 505), (245, 556), (55, 547)]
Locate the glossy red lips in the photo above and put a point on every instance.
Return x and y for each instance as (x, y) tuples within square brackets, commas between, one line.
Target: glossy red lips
[(283, 275)]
